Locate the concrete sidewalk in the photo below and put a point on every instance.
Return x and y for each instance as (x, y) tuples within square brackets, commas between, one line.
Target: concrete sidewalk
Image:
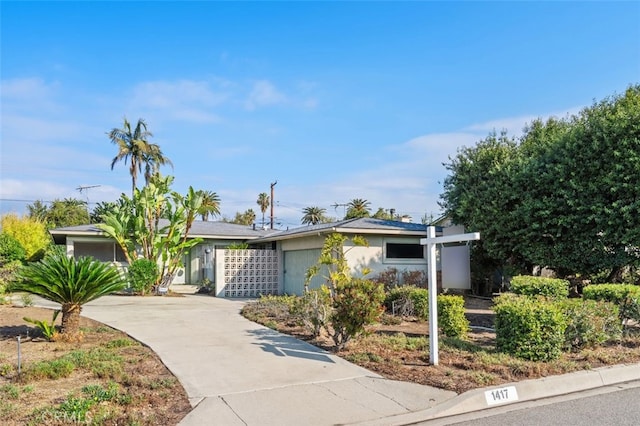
[(236, 372)]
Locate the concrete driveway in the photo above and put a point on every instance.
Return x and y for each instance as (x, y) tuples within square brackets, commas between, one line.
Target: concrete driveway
[(236, 372)]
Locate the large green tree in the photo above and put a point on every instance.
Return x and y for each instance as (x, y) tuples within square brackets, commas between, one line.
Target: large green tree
[(247, 217), (102, 208), (71, 283), (67, 212), (565, 196), (583, 190), (134, 148), (313, 215)]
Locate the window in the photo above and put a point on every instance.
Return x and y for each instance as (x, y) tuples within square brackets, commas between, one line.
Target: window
[(102, 251), (405, 251)]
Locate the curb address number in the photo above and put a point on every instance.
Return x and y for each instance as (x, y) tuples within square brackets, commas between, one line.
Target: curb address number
[(501, 395)]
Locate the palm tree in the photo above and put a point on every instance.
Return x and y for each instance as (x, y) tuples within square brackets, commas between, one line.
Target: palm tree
[(357, 208), (134, 148), (38, 210), (153, 160), (263, 202), (69, 282), (313, 215), (210, 205)]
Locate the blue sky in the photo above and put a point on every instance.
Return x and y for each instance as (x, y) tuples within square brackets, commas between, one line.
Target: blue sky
[(334, 100)]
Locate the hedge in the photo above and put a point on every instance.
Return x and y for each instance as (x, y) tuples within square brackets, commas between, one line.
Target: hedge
[(451, 319), (625, 296), (539, 286), (529, 328)]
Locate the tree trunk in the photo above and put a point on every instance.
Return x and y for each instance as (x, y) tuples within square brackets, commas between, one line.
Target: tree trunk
[(616, 275), (71, 320)]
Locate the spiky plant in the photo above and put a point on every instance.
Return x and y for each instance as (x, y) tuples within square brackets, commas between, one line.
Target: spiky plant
[(69, 282)]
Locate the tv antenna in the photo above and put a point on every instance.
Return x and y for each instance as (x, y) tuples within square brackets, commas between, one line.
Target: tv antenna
[(86, 189), (344, 207)]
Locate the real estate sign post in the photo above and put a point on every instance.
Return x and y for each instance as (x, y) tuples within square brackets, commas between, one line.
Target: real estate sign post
[(431, 241)]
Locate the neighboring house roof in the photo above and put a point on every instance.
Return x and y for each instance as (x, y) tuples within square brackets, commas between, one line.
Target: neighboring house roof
[(207, 230), (352, 226)]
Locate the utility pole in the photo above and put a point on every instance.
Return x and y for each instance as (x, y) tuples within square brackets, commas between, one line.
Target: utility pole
[(272, 185)]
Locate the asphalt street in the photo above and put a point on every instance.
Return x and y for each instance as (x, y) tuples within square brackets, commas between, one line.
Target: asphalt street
[(612, 405)]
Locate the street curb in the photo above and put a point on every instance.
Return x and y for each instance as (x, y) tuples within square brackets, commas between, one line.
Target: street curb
[(527, 390)]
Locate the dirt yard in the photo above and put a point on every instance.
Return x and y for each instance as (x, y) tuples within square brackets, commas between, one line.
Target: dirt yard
[(108, 378), (398, 349)]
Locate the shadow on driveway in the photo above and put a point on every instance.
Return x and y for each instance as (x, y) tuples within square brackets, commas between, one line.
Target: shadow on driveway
[(280, 345)]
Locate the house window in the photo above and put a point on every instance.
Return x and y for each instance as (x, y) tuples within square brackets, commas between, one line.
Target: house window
[(102, 251), (405, 251)]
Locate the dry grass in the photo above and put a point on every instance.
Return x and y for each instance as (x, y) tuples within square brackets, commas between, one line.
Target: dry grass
[(107, 378), (399, 350)]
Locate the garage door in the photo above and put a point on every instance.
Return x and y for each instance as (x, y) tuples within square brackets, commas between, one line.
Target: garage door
[(296, 263)]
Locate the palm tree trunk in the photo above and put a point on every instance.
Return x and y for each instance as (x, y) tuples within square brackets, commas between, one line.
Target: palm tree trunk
[(71, 320)]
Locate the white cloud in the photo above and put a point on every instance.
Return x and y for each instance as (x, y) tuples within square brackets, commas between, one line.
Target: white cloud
[(516, 125), (183, 100), (264, 93)]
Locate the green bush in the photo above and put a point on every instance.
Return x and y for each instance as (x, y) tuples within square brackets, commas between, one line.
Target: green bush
[(357, 302), (589, 322), (10, 249), (625, 296), (407, 301), (529, 328), (142, 275), (539, 286), (451, 319), (313, 309)]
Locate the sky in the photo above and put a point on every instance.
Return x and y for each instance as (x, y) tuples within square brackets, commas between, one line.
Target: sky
[(333, 100)]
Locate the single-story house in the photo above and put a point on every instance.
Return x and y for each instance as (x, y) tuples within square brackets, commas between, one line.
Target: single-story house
[(276, 261)]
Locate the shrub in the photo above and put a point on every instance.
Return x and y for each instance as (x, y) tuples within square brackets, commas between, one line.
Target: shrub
[(625, 296), (451, 319), (414, 278), (539, 286), (142, 275), (314, 309), (10, 249), (269, 307), (529, 328), (388, 277), (357, 302), (589, 322), (407, 301), (30, 233), (48, 329)]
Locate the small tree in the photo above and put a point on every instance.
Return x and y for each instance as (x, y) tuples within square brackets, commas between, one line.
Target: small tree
[(355, 302), (69, 282)]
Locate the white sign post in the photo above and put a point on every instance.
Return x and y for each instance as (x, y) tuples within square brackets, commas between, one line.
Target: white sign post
[(432, 276)]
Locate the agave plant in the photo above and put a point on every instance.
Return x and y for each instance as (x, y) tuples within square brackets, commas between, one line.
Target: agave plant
[(69, 282)]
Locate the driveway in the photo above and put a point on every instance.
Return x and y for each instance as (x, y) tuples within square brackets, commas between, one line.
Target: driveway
[(236, 372)]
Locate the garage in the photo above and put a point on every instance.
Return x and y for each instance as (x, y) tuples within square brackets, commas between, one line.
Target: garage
[(295, 265)]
